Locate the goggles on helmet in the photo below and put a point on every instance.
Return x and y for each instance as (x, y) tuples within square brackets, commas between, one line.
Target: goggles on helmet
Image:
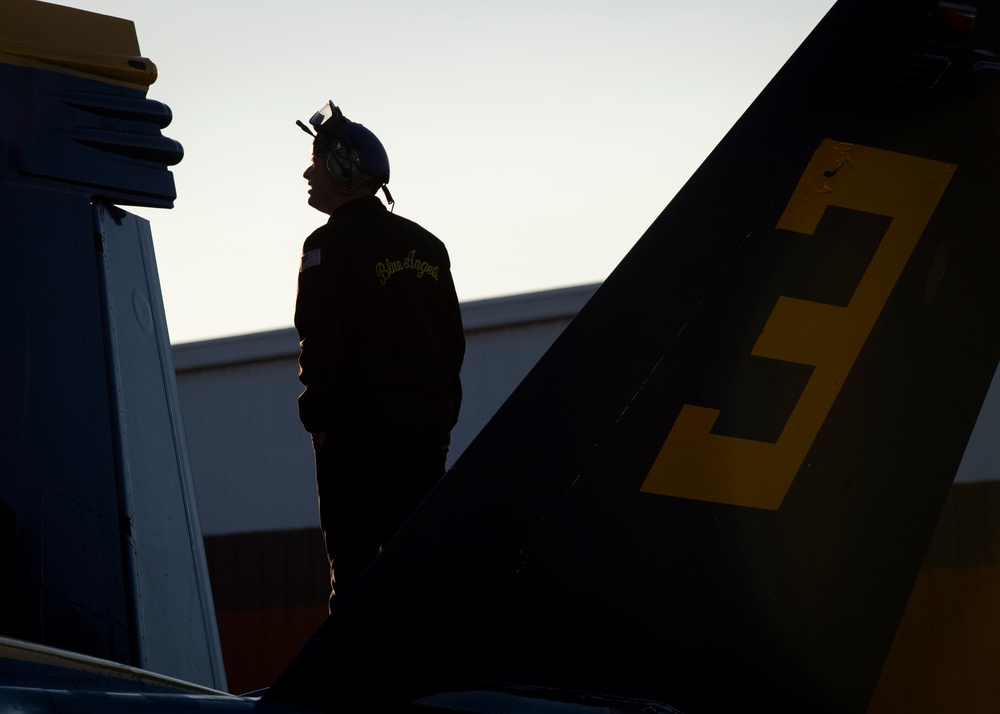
[(328, 112)]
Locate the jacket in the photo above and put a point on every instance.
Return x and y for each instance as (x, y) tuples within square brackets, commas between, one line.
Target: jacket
[(379, 325)]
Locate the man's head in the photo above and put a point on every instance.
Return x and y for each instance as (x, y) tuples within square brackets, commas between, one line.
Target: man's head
[(348, 160)]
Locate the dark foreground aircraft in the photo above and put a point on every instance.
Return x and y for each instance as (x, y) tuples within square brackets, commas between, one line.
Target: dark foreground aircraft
[(712, 494)]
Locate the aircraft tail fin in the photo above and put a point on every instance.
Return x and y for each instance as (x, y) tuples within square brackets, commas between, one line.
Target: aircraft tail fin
[(100, 545), (715, 491)]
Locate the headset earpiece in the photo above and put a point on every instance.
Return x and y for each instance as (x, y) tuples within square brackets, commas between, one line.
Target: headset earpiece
[(343, 164)]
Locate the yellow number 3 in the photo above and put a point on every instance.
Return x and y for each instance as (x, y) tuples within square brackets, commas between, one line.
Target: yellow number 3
[(694, 463)]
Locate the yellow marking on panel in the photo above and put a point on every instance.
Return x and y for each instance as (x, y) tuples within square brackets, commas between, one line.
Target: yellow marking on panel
[(71, 41), (696, 464)]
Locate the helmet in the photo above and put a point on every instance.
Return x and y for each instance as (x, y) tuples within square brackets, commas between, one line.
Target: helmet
[(351, 150)]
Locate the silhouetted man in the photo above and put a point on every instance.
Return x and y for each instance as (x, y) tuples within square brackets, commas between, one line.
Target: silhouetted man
[(381, 348)]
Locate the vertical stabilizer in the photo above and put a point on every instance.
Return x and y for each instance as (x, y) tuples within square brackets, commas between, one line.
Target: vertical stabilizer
[(99, 539), (714, 492)]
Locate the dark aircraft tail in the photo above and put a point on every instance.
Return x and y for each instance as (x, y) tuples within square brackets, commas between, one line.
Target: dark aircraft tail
[(716, 489), (100, 546)]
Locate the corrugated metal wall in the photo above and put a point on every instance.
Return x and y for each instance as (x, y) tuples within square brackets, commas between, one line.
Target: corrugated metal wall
[(271, 590), (253, 470)]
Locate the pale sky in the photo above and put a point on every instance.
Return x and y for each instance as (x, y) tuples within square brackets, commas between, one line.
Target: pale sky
[(537, 138)]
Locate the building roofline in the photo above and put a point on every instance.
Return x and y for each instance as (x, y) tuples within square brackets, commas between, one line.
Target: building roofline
[(477, 315)]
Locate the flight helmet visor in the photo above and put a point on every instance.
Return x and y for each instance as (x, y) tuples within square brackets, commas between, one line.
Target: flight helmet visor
[(327, 112)]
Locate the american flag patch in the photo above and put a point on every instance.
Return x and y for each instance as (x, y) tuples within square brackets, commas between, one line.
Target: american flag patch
[(310, 259)]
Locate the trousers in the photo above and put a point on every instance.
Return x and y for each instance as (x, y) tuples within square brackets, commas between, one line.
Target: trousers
[(369, 483)]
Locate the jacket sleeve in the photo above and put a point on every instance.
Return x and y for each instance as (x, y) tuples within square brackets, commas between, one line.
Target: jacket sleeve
[(320, 310), (453, 314)]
